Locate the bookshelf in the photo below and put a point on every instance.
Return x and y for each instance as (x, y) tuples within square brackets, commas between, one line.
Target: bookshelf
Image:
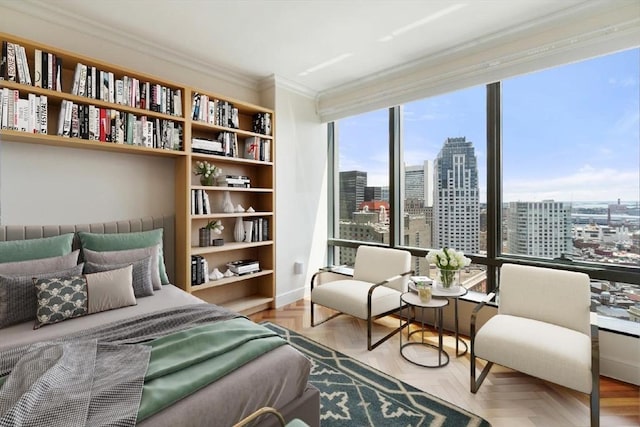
[(177, 126)]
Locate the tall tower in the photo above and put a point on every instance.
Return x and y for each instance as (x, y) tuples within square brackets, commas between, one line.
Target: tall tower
[(352, 185), (456, 203), (418, 183), (541, 229)]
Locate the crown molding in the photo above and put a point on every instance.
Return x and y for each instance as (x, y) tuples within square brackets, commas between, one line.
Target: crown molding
[(275, 81), (576, 33), (49, 12)]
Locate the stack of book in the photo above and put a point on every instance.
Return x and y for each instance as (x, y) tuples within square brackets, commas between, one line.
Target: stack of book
[(239, 181), (207, 146), (244, 266), (199, 270)]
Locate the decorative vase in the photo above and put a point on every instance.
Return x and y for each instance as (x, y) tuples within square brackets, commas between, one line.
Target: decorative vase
[(447, 279), (227, 204), (238, 230), (207, 180), (204, 237)]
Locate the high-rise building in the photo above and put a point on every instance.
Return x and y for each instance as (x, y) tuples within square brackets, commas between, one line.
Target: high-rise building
[(352, 185), (418, 183), (456, 211), (541, 229), (372, 194)]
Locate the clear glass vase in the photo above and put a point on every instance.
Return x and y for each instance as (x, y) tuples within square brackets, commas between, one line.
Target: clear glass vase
[(447, 279)]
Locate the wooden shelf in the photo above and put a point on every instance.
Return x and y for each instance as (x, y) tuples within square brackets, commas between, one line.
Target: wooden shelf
[(229, 280), (249, 305), (59, 141), (233, 246), (232, 215), (233, 189)]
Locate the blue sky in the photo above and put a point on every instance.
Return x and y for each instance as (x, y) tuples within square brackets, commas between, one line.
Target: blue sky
[(570, 133)]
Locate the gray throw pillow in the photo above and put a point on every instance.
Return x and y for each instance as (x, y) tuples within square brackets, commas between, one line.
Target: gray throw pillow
[(18, 300), (128, 256), (60, 298), (37, 266), (142, 284)]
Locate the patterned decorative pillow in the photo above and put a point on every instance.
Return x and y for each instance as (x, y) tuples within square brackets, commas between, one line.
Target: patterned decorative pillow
[(36, 266), (142, 285), (126, 257), (18, 301), (60, 298), (69, 297)]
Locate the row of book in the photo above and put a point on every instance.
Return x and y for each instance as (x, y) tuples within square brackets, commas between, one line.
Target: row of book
[(14, 66), (262, 123), (200, 203), (257, 149), (26, 115), (110, 125), (199, 270), (214, 111), (226, 145), (103, 85), (259, 230)]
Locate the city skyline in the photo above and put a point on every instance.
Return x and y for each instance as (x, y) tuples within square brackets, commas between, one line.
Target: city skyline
[(587, 151)]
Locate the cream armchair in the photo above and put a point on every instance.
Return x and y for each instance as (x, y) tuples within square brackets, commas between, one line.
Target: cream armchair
[(380, 276), (542, 329)]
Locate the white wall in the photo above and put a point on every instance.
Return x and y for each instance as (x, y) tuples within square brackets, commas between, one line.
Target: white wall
[(301, 193)]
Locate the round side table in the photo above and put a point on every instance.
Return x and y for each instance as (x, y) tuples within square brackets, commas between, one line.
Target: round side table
[(413, 302), (454, 294)]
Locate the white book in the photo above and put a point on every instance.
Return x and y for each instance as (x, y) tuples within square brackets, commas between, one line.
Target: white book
[(94, 82), (5, 108), (136, 96), (104, 79), (207, 202), (120, 91), (25, 65), (19, 64), (149, 133), (43, 111), (49, 71), (193, 202), (137, 132), (112, 89), (13, 110), (33, 113), (82, 84), (178, 103), (37, 69), (93, 123), (199, 203), (68, 112), (1, 105), (23, 115), (63, 108), (76, 79)]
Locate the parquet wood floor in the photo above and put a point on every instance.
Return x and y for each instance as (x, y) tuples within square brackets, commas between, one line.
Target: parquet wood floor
[(506, 398)]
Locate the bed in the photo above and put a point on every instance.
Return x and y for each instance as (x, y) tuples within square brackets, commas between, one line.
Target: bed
[(275, 377)]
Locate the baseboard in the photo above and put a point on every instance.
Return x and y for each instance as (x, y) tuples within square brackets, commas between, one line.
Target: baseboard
[(290, 297), (619, 370)]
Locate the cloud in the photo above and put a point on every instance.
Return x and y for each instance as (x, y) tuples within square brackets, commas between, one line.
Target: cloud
[(587, 184), (624, 82)]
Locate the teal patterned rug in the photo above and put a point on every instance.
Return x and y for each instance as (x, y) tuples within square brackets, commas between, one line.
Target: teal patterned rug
[(356, 395)]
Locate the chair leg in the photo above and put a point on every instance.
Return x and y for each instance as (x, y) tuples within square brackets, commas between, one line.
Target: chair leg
[(371, 346), (475, 384)]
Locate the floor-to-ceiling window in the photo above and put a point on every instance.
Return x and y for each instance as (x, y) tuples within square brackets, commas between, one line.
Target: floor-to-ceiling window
[(362, 206), (565, 159), (443, 178)]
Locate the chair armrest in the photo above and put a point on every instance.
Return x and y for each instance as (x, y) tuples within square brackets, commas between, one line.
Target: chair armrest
[(333, 270), (390, 279), (476, 309)]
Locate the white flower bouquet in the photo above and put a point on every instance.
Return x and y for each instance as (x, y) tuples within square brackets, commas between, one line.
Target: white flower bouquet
[(448, 261)]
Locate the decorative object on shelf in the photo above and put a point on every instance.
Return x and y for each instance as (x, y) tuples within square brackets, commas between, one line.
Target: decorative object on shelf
[(227, 204), (251, 209), (424, 290), (215, 274), (238, 230), (448, 263), (248, 230), (218, 242), (228, 273), (207, 172), (204, 234), (239, 208)]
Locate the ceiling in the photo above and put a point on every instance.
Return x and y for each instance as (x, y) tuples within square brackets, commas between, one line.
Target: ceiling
[(316, 45)]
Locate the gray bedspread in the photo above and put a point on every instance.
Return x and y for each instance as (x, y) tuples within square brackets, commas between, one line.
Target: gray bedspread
[(90, 377)]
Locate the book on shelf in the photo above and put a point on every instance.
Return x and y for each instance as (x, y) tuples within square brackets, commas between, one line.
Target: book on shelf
[(50, 73), (43, 115), (3, 60), (198, 267), (11, 62), (262, 123), (257, 149), (244, 266)]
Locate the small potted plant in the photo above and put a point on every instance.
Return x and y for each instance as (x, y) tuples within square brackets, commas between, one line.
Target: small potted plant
[(207, 172), (214, 226)]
